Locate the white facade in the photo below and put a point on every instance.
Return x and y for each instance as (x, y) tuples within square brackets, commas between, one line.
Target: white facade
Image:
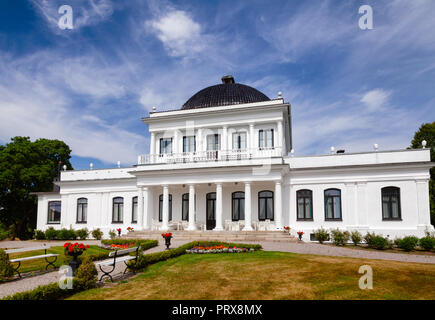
[(243, 166)]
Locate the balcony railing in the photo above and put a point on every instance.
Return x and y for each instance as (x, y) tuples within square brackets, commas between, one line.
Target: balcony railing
[(205, 156)]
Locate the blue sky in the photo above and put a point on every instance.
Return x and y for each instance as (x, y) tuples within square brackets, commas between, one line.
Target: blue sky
[(349, 88)]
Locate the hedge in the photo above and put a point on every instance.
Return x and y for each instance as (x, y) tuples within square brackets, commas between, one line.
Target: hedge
[(51, 291), (146, 259)]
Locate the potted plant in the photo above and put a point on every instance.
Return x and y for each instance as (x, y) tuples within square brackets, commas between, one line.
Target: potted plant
[(167, 237), (119, 232), (287, 229), (130, 229), (300, 234), (74, 250)]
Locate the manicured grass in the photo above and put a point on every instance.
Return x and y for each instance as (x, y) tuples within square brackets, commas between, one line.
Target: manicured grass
[(40, 264), (271, 275)]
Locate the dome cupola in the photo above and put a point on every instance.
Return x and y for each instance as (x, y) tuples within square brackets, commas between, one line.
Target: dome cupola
[(225, 94)]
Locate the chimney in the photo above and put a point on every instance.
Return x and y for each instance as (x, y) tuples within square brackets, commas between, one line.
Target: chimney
[(228, 79)]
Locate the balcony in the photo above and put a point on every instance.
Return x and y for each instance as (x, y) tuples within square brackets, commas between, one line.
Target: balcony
[(208, 156)]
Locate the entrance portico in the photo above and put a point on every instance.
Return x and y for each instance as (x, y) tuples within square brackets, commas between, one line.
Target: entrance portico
[(216, 206)]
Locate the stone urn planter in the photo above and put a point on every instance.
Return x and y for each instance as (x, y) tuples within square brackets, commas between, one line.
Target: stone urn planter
[(167, 237), (74, 250), (300, 234)]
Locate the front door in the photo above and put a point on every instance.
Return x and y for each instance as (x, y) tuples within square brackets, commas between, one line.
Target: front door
[(211, 211)]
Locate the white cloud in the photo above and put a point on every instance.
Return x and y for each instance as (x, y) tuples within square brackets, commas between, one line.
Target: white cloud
[(85, 12), (375, 99), (36, 105), (178, 32)]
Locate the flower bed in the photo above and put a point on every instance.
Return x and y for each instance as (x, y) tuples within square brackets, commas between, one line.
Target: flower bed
[(218, 249), (117, 246)]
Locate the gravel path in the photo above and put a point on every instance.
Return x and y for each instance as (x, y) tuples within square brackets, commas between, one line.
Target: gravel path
[(30, 283)]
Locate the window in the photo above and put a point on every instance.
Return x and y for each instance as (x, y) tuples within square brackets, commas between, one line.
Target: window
[(185, 207), (118, 210), (165, 145), (239, 140), (82, 210), (54, 208), (161, 207), (238, 206), (332, 204), (213, 142), (265, 205), (391, 203), (134, 210), (189, 144), (304, 204), (265, 138)]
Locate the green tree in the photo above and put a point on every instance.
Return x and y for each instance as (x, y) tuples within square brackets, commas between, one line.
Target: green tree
[(427, 132), (26, 167)]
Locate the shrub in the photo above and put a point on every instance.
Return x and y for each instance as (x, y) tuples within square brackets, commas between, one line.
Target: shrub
[(356, 237), (39, 235), (408, 243), (51, 291), (321, 235), (87, 272), (66, 234), (6, 270), (427, 243), (340, 238), (97, 234), (3, 233), (82, 234), (368, 238), (112, 234), (379, 243), (51, 234)]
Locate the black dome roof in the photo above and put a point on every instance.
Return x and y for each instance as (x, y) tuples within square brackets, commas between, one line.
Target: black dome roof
[(228, 93)]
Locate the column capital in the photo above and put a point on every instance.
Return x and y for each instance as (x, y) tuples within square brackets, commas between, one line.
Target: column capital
[(247, 182)]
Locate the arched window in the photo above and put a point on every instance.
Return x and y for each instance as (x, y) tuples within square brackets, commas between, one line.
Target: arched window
[(54, 209), (161, 207), (238, 206), (82, 210), (304, 204), (333, 204), (265, 205), (134, 210), (118, 210), (391, 203), (185, 207)]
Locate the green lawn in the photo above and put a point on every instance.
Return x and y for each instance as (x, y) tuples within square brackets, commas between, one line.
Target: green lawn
[(271, 275), (40, 264)]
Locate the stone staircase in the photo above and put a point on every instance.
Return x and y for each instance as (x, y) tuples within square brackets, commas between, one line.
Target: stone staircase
[(275, 236)]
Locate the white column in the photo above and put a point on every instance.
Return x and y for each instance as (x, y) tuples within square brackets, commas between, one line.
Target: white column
[(219, 226), (251, 136), (146, 209), (152, 147), (199, 146), (224, 139), (175, 143), (165, 213), (248, 212), (140, 208), (192, 225), (153, 143), (279, 143), (422, 187), (278, 205)]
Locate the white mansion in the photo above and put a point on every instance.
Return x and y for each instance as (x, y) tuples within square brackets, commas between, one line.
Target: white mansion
[(224, 161)]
